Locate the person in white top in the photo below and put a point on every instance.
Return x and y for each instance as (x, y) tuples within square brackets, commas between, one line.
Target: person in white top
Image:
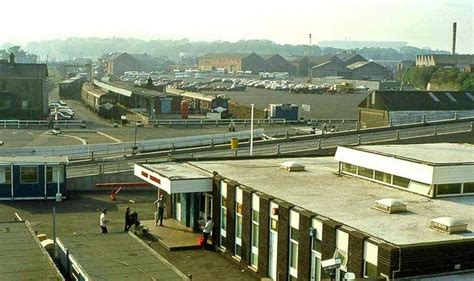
[(103, 220), (206, 231)]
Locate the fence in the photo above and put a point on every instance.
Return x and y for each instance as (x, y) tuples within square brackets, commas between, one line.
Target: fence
[(40, 123), (92, 150)]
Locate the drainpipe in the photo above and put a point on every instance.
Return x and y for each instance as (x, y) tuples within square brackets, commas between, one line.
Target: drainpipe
[(399, 263)]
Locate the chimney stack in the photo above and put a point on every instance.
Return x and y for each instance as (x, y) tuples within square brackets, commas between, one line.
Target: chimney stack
[(12, 58), (454, 38)]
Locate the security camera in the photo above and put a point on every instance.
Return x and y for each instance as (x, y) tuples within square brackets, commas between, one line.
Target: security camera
[(330, 264)]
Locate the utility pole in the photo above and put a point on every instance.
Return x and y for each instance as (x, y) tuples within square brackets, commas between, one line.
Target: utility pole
[(251, 130), (310, 71)]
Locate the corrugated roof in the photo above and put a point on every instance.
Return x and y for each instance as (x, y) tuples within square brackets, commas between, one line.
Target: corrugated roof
[(453, 59), (359, 64), (37, 70), (419, 100)]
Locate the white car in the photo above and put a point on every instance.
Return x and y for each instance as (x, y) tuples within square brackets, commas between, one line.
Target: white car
[(60, 116)]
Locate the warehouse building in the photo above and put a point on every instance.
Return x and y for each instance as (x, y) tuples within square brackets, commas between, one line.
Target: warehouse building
[(369, 70), (118, 63), (32, 177), (462, 62), (376, 211), (232, 62), (276, 63), (23, 90), (382, 108)]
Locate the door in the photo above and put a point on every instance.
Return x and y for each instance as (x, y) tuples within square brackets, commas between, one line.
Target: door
[(178, 207), (272, 255)]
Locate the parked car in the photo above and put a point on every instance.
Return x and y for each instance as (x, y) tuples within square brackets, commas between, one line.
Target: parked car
[(60, 116)]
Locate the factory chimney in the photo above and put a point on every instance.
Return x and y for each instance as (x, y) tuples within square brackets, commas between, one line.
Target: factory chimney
[(454, 38)]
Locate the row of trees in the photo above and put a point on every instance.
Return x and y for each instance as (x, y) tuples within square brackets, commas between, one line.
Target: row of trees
[(94, 47), (450, 79)]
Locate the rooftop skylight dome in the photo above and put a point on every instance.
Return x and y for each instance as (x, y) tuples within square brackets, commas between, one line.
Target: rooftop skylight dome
[(292, 166), (390, 205), (448, 225)]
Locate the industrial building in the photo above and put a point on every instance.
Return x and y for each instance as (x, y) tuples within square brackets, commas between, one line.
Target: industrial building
[(118, 63), (33, 177), (23, 90), (396, 211), (461, 62), (369, 70), (382, 108), (232, 62)]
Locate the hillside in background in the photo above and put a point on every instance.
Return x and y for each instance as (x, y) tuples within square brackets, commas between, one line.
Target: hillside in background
[(174, 49)]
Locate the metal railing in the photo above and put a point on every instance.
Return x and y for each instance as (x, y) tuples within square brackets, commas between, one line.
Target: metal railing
[(207, 122), (40, 123)]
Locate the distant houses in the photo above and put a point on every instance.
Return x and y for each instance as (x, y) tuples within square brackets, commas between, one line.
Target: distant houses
[(23, 89)]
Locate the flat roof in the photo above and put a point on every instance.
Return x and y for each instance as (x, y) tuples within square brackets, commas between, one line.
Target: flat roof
[(178, 171), (348, 199), (34, 159), (431, 153), (114, 256), (22, 257)]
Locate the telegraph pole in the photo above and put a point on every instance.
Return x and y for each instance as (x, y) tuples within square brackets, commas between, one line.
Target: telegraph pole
[(310, 71)]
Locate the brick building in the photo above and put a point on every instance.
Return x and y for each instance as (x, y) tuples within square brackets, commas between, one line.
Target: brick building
[(401, 107), (231, 62), (23, 90), (118, 63), (284, 218)]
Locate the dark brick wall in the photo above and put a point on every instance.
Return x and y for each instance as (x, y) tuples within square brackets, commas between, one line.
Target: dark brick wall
[(283, 240), (216, 208), (431, 259), (263, 235), (230, 231), (355, 262), (387, 260), (304, 246), (246, 225), (328, 245)]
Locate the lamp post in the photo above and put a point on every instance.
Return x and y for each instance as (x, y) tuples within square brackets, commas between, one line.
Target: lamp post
[(134, 149), (251, 131)]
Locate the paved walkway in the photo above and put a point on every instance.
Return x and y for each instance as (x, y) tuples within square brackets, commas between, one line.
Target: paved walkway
[(173, 235)]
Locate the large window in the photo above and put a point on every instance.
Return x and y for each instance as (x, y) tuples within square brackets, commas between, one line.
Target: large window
[(346, 167), (468, 187), (364, 172), (370, 259), (5, 175), (238, 222), (223, 219), (401, 181), (446, 189), (255, 233), (29, 174), (294, 237), (383, 177)]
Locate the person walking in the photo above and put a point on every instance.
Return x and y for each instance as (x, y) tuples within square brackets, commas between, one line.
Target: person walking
[(160, 204), (206, 231), (103, 220), (128, 220)]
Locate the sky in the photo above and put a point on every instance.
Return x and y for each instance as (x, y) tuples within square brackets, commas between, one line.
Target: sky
[(421, 23)]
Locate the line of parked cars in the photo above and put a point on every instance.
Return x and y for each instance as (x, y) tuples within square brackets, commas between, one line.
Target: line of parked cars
[(59, 110)]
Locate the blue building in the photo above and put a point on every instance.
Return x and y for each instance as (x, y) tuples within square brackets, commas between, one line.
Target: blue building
[(32, 177)]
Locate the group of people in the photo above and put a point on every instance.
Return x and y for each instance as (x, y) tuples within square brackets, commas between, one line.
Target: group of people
[(132, 219)]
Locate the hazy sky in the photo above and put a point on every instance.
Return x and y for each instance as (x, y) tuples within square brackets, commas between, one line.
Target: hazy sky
[(422, 23)]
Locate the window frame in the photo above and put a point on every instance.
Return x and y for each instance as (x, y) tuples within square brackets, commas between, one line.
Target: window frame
[(22, 181)]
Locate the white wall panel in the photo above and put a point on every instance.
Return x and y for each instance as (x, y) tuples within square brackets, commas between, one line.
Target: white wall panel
[(371, 253)]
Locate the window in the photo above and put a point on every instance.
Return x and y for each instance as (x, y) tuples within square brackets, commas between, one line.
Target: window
[(451, 188), (255, 231), (294, 235), (7, 176), (383, 177), (364, 172), (49, 174), (317, 245), (274, 224), (29, 174), (346, 167), (370, 270), (468, 187), (400, 181)]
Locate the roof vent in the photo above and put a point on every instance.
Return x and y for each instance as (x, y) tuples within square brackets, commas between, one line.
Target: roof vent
[(292, 166), (448, 225), (390, 206)]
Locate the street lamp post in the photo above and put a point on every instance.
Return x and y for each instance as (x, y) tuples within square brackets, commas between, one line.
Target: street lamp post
[(134, 150), (251, 131)]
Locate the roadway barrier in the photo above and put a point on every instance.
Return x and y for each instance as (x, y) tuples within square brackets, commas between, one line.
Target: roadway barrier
[(218, 122), (93, 150), (40, 123)]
